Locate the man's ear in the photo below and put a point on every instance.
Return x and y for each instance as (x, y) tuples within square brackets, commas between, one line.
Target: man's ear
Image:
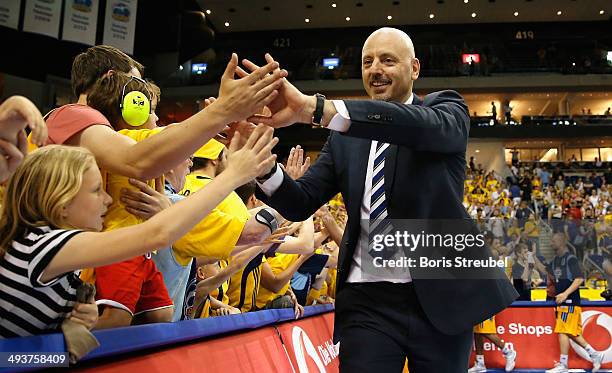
[(416, 68)]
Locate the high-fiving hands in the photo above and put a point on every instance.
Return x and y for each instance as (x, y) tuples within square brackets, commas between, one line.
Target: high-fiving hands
[(248, 94), (288, 106)]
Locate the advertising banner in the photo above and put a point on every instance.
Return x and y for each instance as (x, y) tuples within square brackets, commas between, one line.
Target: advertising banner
[(530, 331), (310, 345), (256, 351)]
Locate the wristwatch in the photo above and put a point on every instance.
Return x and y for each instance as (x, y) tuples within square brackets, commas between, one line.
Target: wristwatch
[(317, 115), (265, 177)]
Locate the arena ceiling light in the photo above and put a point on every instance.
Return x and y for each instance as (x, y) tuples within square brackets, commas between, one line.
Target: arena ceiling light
[(474, 15), (559, 12), (389, 17), (334, 5), (307, 20), (208, 11), (601, 11), (431, 16), (516, 14), (226, 24), (348, 19)]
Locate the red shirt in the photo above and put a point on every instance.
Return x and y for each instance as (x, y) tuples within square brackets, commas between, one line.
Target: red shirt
[(575, 213), (68, 120)]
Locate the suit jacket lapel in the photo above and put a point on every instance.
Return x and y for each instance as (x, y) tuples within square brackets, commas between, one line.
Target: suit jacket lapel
[(390, 165), (391, 159), (356, 172), (358, 166)]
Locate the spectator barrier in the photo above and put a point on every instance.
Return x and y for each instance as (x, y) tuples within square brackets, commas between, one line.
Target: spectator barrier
[(272, 341)]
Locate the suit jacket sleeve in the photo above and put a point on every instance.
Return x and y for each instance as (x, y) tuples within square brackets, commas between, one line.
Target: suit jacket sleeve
[(297, 199), (440, 124)]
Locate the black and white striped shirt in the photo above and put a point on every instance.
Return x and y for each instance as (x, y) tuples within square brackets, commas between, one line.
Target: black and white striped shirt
[(29, 306)]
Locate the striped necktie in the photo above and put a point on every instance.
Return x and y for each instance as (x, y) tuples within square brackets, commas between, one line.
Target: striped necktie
[(378, 202)]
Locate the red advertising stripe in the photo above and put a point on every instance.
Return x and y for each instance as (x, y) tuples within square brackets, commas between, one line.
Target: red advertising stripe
[(255, 351), (530, 332), (309, 344)]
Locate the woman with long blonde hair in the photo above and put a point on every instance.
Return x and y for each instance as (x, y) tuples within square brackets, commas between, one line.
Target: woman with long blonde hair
[(52, 215)]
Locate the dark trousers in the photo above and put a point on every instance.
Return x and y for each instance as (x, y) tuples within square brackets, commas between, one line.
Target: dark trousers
[(380, 324)]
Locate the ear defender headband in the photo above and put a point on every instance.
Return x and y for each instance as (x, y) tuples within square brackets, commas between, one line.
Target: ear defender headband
[(135, 105)]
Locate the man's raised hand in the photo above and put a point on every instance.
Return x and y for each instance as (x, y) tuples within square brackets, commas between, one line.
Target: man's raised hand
[(296, 164)]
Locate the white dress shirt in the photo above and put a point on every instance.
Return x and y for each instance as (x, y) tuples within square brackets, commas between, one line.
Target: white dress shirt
[(341, 123)]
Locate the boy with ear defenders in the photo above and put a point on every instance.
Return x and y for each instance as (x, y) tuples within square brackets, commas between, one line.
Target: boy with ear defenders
[(133, 288), (125, 100)]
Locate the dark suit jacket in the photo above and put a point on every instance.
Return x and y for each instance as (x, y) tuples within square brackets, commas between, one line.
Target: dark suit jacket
[(424, 176)]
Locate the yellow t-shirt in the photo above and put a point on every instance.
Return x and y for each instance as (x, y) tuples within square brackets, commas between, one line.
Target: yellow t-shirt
[(324, 288), (504, 201), (116, 215), (529, 225), (599, 230), (332, 274), (216, 235), (206, 309), (313, 294), (220, 293), (491, 182), (513, 230), (244, 285), (278, 264)]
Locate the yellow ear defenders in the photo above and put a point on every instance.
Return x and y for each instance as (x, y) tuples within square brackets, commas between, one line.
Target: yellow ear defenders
[(135, 106)]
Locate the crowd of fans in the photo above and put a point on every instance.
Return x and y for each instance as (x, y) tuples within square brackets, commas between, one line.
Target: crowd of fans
[(523, 211), (102, 224)]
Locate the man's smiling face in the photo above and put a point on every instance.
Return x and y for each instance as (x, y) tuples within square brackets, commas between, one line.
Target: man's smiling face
[(388, 66)]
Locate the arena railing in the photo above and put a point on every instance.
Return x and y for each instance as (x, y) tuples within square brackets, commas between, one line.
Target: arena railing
[(140, 337)]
